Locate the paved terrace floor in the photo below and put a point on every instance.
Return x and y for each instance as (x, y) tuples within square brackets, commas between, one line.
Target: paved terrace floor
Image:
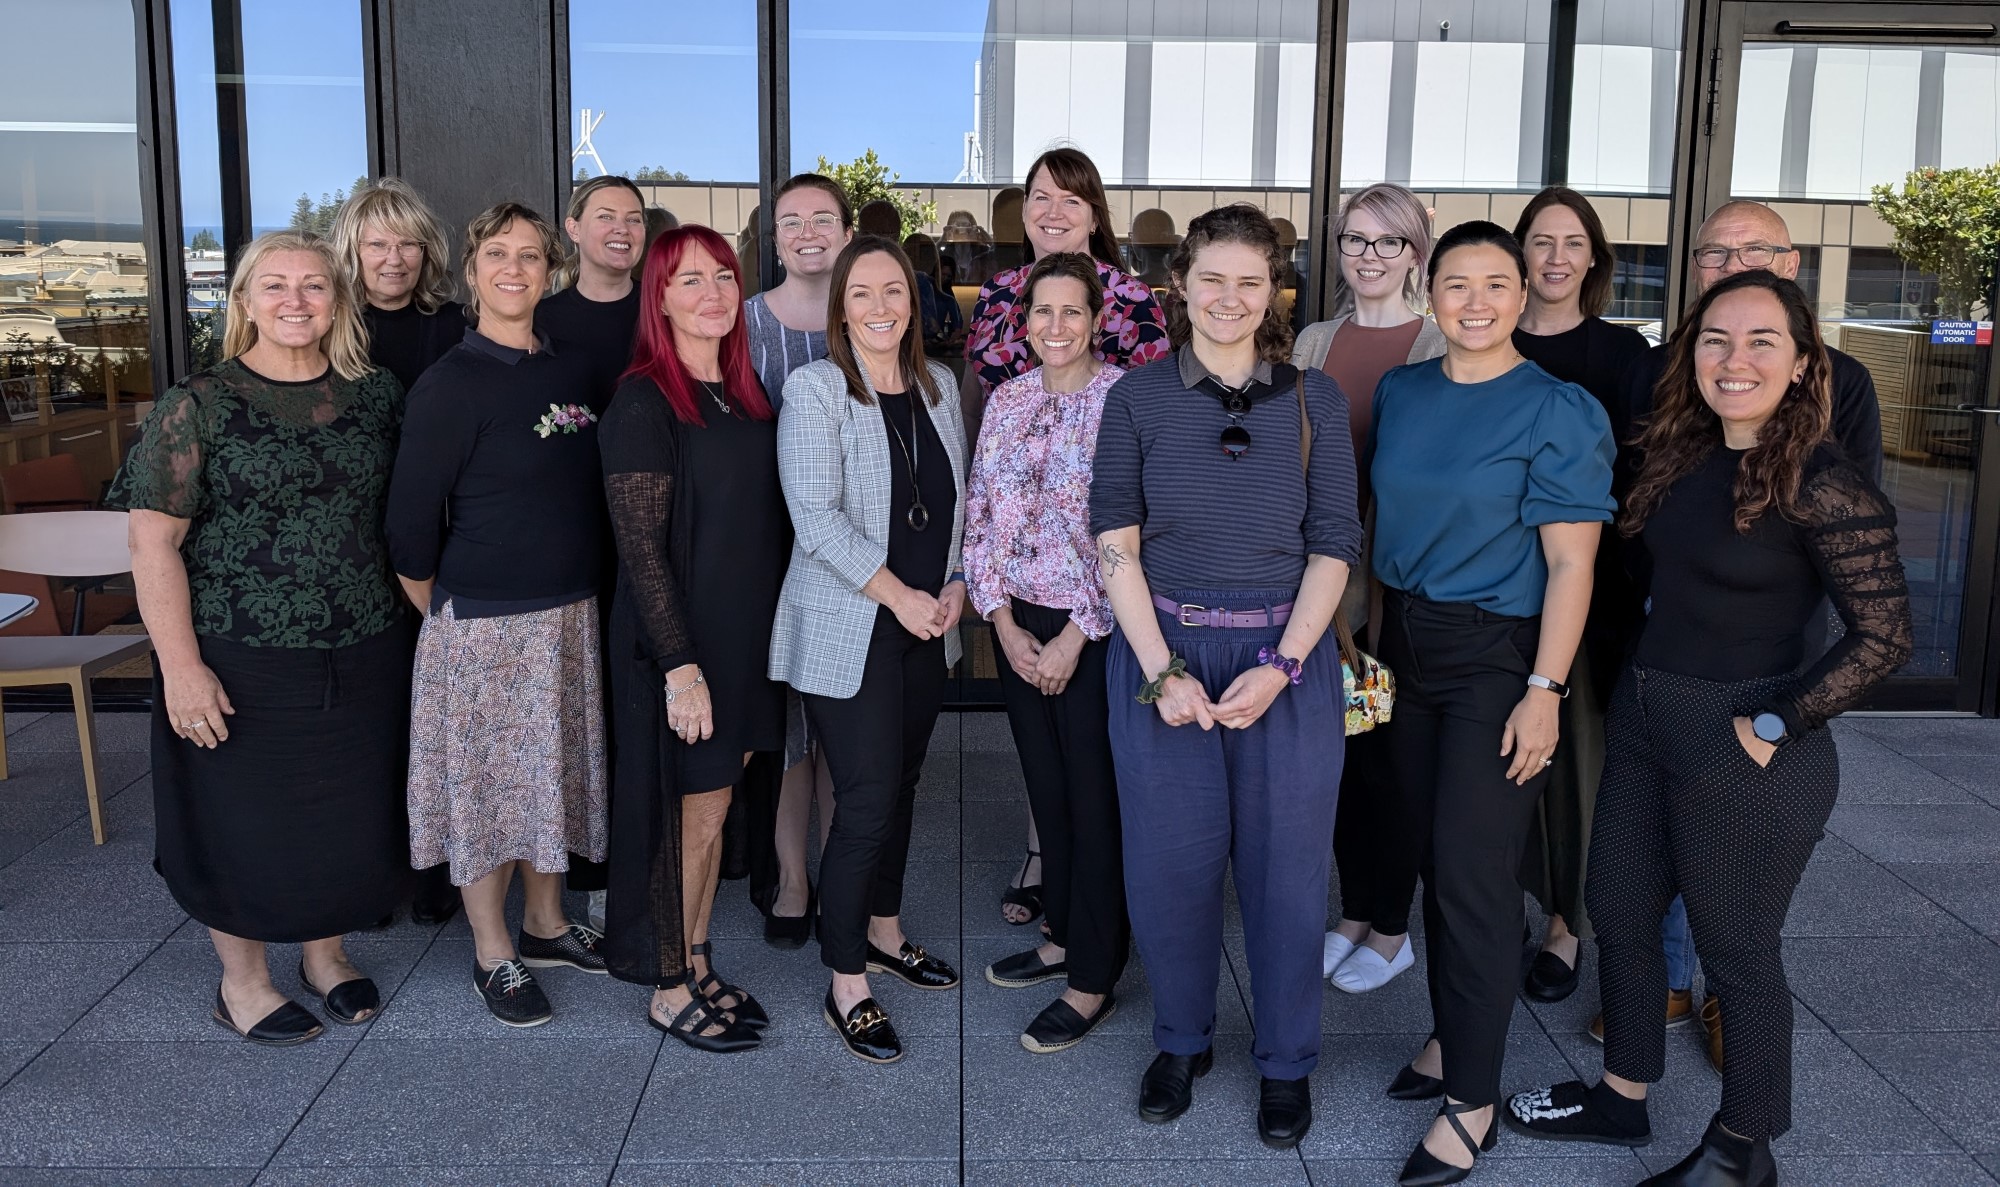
[(112, 1072)]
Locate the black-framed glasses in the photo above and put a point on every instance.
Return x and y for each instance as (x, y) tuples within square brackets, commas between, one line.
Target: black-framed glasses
[(1388, 247), (1755, 255)]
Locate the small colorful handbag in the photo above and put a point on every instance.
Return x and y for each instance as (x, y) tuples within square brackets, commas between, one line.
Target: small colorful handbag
[(1368, 683)]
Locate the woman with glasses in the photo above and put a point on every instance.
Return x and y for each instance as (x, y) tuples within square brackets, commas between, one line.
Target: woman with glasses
[(392, 249), (1384, 235), (787, 330), (1563, 331)]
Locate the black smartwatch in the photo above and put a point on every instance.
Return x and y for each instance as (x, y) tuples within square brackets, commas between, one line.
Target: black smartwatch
[(1769, 727)]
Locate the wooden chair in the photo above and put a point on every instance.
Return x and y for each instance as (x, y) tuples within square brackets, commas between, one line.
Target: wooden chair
[(67, 544)]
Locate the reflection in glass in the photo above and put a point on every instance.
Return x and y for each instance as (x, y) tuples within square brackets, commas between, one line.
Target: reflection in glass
[(1623, 95)]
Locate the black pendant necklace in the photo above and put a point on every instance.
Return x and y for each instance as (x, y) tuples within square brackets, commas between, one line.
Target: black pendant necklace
[(918, 516)]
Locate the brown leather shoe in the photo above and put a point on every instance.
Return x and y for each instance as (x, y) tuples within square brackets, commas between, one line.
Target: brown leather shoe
[(1680, 1012), (1711, 1021)]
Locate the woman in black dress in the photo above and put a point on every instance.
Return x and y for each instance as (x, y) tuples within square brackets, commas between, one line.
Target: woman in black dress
[(691, 474)]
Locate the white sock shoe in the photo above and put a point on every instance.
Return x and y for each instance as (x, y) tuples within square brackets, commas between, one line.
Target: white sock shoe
[(597, 910), (1337, 948), (1364, 969)]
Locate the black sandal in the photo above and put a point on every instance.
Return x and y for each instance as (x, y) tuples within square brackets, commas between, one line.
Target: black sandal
[(349, 1003), (1028, 898), (746, 1010), (286, 1026), (691, 1025), (1425, 1169)]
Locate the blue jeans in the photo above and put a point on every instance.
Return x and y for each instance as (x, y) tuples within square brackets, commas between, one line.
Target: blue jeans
[(1678, 941)]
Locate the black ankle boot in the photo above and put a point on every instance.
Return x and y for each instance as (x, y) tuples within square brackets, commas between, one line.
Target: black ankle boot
[(1722, 1160)]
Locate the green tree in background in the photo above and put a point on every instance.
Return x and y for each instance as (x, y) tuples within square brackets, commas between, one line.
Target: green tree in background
[(659, 173), (317, 217), (204, 240), (866, 178), (1947, 221)]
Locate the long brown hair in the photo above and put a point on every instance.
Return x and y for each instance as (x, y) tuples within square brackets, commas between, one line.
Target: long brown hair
[(1077, 173), (1236, 223), (910, 356), (1596, 295), (1683, 429)]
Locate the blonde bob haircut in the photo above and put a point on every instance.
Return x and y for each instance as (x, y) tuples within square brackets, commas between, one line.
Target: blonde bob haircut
[(393, 205), (345, 344), (494, 220)]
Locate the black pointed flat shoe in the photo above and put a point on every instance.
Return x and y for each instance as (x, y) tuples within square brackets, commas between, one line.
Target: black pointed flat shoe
[(1024, 969), (349, 1003), (1550, 978), (865, 1030), (1059, 1027), (743, 1008), (287, 1026), (1167, 1088), (914, 966), (1425, 1169), (704, 1027), (1411, 1084), (791, 931), (1284, 1112)]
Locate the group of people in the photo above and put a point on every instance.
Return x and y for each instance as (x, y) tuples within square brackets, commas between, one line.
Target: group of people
[(578, 579)]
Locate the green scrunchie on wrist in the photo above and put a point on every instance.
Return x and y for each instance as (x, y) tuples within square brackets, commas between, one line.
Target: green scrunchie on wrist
[(1152, 689)]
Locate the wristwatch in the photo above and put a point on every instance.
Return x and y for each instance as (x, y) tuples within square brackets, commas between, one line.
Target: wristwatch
[(1770, 727), (1538, 681)]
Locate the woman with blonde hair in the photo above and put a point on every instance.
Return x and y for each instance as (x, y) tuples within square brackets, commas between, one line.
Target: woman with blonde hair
[(596, 303), (1378, 324), (281, 709), (392, 252)]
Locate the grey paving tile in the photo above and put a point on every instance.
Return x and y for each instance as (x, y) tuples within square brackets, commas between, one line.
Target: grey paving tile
[(1949, 1076), (945, 737), (1857, 898), (995, 830), (990, 776), (1885, 777), (940, 780), (1943, 985), (173, 1176), (820, 1102), (774, 1173), (1595, 1170), (153, 1105), (986, 732), (128, 832), (117, 733), (1832, 848), (1920, 832), (1992, 1164), (16, 721), (50, 984), (1798, 1164), (1186, 1172), (15, 1056), (40, 773), (171, 995), (1090, 1112), (449, 1104), (26, 823), (934, 831), (1969, 891), (1976, 773), (993, 1011), (1931, 735), (511, 1175), (91, 901)]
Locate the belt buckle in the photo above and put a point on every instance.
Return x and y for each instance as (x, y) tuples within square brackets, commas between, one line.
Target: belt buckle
[(1187, 606)]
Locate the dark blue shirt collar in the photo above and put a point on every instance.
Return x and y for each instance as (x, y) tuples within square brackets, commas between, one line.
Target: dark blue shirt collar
[(506, 354)]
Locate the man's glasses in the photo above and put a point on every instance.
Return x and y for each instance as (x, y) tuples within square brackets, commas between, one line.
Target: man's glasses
[(1756, 255), (1388, 247), (792, 226)]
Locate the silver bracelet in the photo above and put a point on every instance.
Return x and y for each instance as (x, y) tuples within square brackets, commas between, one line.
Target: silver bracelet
[(673, 692)]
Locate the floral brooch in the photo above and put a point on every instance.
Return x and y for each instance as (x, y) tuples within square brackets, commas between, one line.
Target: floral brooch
[(564, 418)]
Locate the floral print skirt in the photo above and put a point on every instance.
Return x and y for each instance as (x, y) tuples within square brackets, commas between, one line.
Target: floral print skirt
[(507, 741)]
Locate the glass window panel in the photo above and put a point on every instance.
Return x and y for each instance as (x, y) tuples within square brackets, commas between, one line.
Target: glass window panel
[(1623, 93)]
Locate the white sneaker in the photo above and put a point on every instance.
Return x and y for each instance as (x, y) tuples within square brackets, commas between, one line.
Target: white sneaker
[(1364, 969), (1337, 948), (597, 910)]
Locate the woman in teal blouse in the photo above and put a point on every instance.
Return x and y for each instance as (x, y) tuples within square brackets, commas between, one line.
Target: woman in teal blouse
[(1492, 479)]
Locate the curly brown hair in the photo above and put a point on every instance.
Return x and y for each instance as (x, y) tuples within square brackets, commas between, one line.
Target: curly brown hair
[(1242, 223), (1683, 430)]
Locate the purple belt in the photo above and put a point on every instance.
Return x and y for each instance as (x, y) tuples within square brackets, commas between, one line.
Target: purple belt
[(1188, 614)]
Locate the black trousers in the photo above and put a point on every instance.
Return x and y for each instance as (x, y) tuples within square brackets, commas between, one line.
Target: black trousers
[(1065, 747), (1460, 671), (874, 742), (1684, 808), (1376, 850)]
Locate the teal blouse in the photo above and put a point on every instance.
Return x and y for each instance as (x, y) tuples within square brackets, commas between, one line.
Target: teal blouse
[(1464, 474)]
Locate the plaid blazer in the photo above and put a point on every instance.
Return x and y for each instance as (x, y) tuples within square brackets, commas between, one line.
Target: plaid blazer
[(833, 460)]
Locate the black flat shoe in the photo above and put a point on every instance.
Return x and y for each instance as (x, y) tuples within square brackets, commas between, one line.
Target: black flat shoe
[(349, 1003), (1411, 1084), (578, 947), (436, 900), (1573, 1112), (1722, 1160), (1549, 978), (1059, 1027), (1167, 1088), (865, 1029), (791, 931), (287, 1026), (744, 1009), (1024, 969), (913, 966), (1425, 1169), (1284, 1112)]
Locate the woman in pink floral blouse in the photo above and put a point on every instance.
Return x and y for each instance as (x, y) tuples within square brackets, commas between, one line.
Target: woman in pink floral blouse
[(1065, 211), (1031, 569)]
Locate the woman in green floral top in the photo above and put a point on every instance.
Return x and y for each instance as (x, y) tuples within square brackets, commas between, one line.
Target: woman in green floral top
[(281, 686)]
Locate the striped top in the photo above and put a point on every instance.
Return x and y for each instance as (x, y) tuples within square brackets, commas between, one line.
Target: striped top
[(777, 350)]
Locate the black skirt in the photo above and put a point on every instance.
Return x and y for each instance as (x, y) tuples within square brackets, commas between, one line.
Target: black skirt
[(296, 827)]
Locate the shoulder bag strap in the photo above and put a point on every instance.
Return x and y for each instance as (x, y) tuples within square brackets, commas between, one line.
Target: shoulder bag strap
[(1342, 634)]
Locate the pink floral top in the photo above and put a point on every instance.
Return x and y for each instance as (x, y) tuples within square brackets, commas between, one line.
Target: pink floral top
[(1134, 330), (1027, 504)]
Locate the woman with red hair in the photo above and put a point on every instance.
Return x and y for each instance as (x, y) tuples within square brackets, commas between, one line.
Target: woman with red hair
[(691, 475)]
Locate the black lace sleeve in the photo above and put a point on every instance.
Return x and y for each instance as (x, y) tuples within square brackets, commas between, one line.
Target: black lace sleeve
[(636, 440), (1851, 531)]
